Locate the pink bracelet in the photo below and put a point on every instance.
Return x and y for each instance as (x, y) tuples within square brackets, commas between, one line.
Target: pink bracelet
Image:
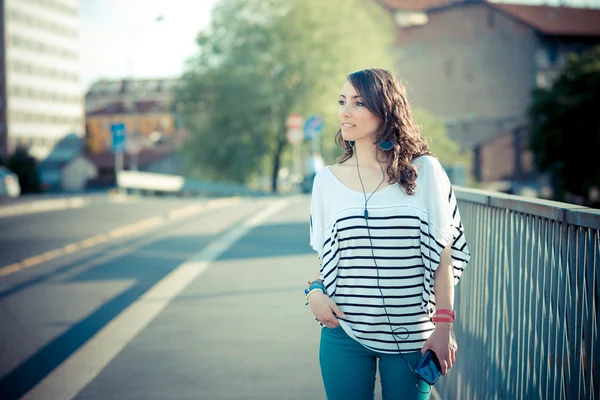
[(445, 311)]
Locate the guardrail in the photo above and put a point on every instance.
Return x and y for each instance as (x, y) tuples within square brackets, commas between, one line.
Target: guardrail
[(527, 306), (179, 185)]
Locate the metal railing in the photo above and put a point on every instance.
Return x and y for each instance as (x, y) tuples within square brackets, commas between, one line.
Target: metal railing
[(527, 304), (180, 185)]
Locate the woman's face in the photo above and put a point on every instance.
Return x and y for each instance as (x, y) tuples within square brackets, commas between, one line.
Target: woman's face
[(356, 121)]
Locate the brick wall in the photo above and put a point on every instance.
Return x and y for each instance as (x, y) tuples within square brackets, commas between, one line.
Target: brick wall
[(498, 159)]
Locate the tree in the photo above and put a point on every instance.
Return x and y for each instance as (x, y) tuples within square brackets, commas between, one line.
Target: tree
[(26, 168), (565, 129), (434, 130), (261, 60)]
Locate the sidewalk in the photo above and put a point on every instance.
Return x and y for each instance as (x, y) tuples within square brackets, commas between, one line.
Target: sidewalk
[(29, 204)]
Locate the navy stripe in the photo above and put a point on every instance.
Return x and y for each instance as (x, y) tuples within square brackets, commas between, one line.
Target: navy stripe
[(404, 350), (387, 217), (378, 296), (384, 314), (380, 258), (386, 323), (388, 332), (379, 238), (375, 227), (331, 258), (458, 259), (380, 305), (399, 341), (382, 267), (381, 248), (382, 287), (379, 277)]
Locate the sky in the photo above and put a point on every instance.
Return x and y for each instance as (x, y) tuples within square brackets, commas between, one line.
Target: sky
[(121, 38)]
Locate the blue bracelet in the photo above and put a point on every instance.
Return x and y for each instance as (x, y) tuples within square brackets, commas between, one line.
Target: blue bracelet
[(315, 285)]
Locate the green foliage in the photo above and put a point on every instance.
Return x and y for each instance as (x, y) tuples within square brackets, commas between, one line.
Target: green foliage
[(26, 168), (565, 129), (434, 130), (261, 60)]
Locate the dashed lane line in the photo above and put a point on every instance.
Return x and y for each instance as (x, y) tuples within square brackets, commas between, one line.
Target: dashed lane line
[(123, 231)]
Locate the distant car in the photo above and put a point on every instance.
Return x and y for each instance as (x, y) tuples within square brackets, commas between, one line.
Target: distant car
[(9, 183), (313, 165)]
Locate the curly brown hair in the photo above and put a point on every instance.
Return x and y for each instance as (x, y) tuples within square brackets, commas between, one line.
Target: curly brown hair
[(385, 97)]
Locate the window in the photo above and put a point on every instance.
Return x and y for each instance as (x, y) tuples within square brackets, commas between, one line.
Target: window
[(552, 52)]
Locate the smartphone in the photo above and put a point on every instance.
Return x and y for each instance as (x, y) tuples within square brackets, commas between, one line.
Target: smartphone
[(429, 368)]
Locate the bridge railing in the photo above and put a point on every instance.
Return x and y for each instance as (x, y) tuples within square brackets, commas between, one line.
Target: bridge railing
[(527, 307)]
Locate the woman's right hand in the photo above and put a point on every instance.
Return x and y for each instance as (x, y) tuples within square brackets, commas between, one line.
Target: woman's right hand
[(325, 310)]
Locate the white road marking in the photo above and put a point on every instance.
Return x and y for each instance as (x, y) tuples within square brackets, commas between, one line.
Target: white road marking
[(37, 206), (130, 229), (77, 371)]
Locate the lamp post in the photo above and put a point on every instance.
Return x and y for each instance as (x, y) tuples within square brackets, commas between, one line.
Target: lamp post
[(134, 139)]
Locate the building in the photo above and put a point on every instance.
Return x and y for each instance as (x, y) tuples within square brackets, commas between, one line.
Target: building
[(146, 107), (475, 63), (412, 12), (66, 168), (40, 83)]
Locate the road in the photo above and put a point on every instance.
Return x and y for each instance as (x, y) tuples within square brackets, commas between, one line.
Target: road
[(154, 298)]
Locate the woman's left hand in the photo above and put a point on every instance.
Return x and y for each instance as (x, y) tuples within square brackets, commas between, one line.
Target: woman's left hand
[(443, 344)]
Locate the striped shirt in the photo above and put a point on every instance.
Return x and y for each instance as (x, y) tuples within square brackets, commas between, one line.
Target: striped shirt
[(380, 270)]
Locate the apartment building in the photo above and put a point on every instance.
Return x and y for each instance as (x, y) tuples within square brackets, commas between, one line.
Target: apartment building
[(40, 83), (475, 63)]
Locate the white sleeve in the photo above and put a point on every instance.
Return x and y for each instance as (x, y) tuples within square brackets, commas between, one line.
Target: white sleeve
[(438, 195), (317, 217), (444, 226)]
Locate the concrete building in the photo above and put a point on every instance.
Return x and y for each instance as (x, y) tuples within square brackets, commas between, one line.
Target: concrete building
[(42, 93), (475, 63), (146, 107)]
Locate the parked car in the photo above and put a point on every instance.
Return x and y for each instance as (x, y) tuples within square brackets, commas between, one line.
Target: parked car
[(9, 183)]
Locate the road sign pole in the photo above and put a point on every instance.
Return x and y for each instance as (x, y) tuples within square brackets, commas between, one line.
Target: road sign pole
[(118, 165), (298, 166), (118, 146), (316, 144), (313, 127), (295, 136)]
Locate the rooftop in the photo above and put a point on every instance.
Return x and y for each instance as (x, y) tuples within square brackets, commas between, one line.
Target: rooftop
[(562, 21), (415, 5), (132, 85)]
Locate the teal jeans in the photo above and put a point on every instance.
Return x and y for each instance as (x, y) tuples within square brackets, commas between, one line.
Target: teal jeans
[(348, 369)]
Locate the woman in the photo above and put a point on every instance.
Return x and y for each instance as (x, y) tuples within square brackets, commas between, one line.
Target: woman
[(386, 226)]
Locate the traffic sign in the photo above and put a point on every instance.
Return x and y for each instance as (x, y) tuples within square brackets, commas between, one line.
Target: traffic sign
[(294, 136), (313, 126), (294, 121), (118, 137)]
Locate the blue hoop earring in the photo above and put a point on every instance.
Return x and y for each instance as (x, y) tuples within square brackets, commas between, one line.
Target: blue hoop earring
[(385, 146), (351, 143)]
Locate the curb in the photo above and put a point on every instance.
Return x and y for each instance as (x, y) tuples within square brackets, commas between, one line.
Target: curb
[(37, 205)]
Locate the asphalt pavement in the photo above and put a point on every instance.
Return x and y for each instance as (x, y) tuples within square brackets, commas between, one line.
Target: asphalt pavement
[(234, 327)]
